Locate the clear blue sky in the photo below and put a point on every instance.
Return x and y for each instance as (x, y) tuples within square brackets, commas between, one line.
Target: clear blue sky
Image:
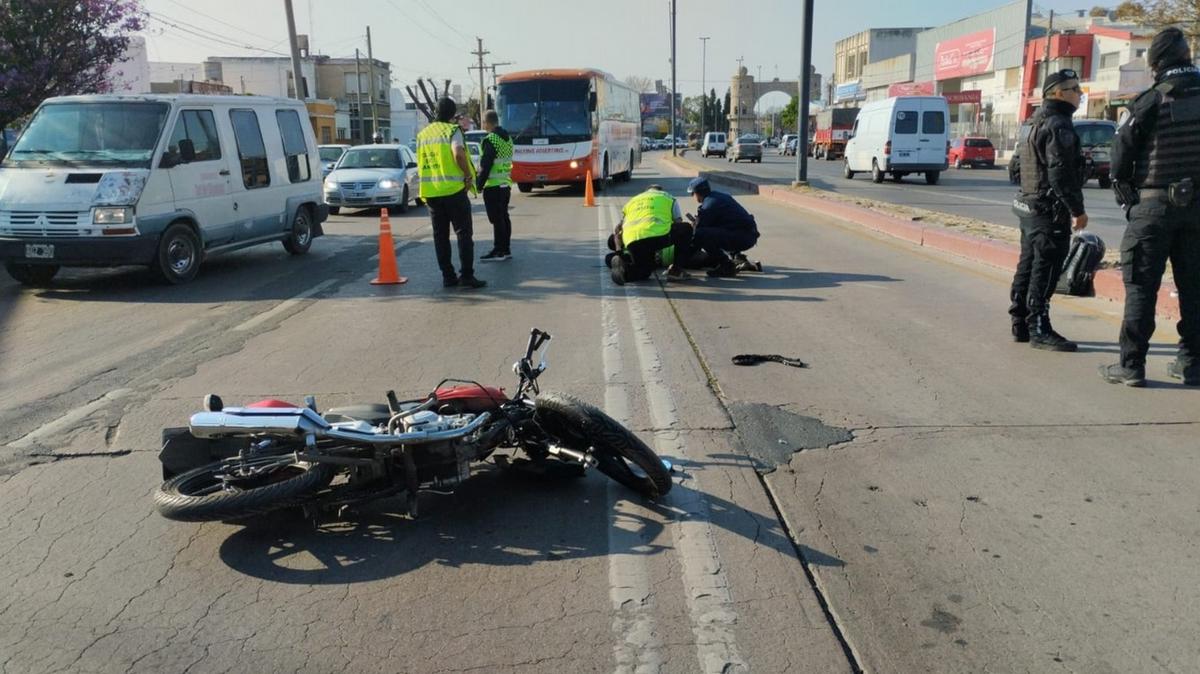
[(626, 37)]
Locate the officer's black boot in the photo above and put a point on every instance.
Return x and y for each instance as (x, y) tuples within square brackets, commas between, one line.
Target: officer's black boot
[(1042, 335), (1020, 331), (1119, 374), (1189, 375)]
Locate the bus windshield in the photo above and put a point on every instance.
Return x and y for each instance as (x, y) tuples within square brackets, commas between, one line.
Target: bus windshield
[(556, 110), (111, 133)]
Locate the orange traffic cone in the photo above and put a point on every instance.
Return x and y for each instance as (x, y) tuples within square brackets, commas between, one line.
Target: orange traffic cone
[(388, 272), (589, 197)]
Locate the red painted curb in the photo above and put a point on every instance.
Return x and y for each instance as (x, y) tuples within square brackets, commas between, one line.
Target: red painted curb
[(1109, 284)]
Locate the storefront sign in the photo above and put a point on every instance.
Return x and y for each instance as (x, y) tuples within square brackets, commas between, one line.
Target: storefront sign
[(849, 91), (964, 56), (911, 89), (970, 96)]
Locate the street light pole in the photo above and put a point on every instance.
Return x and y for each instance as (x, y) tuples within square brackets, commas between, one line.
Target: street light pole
[(805, 84), (703, 87), (674, 88)]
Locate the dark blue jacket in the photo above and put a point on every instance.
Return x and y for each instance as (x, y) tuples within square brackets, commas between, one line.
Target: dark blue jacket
[(721, 211)]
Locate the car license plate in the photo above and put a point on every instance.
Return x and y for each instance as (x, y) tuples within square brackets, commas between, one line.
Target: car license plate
[(39, 251), (542, 177), (357, 195)]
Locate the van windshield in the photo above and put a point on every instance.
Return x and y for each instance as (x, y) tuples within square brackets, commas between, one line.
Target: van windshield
[(115, 133)]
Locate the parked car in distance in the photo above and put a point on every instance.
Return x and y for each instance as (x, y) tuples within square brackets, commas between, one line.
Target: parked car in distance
[(373, 176), (973, 151), (746, 147), (159, 180), (1096, 139), (475, 151), (785, 141), (475, 136), (898, 136), (330, 154), (713, 144)]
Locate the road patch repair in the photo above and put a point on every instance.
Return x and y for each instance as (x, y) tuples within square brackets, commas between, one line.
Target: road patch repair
[(979, 241)]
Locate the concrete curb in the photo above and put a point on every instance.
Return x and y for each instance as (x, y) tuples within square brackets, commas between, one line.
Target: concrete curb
[(1109, 283)]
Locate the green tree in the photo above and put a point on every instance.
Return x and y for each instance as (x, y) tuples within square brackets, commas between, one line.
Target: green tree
[(725, 111), (787, 118), (60, 47), (1098, 11), (1130, 11), (1159, 14)]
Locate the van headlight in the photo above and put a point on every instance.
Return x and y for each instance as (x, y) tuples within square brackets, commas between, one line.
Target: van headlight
[(112, 215), (389, 184)]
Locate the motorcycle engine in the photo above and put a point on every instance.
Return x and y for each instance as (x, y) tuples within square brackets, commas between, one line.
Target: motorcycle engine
[(442, 464)]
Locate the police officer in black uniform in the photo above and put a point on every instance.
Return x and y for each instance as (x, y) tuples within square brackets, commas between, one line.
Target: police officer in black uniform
[(1155, 171), (1049, 205)]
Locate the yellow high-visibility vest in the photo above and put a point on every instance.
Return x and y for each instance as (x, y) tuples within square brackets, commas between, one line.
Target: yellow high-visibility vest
[(440, 174), (501, 173), (647, 215)]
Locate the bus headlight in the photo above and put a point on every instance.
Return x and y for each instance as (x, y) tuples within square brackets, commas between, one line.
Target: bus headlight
[(112, 215), (574, 164)]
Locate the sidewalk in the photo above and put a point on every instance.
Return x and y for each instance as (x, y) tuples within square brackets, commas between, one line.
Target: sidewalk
[(997, 253)]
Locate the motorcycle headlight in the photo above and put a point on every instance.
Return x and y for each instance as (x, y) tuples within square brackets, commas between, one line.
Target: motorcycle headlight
[(389, 184), (112, 215)]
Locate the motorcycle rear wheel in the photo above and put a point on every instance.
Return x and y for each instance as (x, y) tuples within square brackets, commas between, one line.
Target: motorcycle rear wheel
[(199, 496), (578, 425)]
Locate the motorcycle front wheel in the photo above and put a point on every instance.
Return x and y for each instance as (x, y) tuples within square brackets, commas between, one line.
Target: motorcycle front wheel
[(232, 489), (619, 453)]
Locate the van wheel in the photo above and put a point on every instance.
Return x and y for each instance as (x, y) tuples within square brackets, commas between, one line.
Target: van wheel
[(178, 257), (846, 172), (931, 177), (299, 240), (524, 188), (32, 275), (876, 173)]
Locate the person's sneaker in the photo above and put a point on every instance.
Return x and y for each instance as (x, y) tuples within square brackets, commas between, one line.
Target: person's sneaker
[(617, 270), (449, 281), (496, 256), (1119, 374), (724, 270), (471, 282), (1190, 376), (677, 274), (1020, 332)]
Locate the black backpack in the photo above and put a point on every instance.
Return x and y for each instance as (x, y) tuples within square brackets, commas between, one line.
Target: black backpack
[(1087, 250)]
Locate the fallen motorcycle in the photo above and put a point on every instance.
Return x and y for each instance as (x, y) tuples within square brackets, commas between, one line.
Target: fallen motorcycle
[(231, 463)]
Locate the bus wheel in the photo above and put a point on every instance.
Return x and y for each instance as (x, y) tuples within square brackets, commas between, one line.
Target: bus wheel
[(525, 188)]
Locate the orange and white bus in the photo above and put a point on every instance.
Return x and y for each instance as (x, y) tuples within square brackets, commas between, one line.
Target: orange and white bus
[(567, 122)]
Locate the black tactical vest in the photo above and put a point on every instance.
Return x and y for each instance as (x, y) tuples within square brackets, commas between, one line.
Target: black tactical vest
[(1173, 150), (1033, 172)]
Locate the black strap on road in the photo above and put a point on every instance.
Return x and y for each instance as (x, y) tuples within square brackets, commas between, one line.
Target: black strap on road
[(755, 359)]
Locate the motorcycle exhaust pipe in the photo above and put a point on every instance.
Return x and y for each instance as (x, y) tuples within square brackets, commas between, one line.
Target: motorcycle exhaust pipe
[(573, 455)]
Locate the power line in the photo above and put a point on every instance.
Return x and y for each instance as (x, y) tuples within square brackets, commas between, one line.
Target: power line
[(439, 18), (200, 33), (223, 23)]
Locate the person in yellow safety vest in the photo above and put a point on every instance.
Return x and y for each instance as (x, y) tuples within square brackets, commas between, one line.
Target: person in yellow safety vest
[(495, 181), (447, 176), (650, 222)]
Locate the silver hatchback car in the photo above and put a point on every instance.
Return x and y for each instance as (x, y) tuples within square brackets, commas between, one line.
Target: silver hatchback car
[(373, 176), (746, 147)]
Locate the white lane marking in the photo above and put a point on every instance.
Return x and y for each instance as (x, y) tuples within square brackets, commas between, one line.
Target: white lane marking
[(69, 420), (705, 586), (284, 306), (638, 647)]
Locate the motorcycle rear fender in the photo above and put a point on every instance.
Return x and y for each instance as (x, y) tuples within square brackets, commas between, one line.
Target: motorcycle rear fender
[(182, 451), (297, 421)]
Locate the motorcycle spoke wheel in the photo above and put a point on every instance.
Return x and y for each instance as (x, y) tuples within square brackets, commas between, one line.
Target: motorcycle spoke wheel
[(230, 490), (619, 453)]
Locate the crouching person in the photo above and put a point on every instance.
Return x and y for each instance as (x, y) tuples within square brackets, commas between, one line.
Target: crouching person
[(650, 222), (724, 230)]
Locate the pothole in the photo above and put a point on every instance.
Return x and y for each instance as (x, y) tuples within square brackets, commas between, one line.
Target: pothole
[(771, 435)]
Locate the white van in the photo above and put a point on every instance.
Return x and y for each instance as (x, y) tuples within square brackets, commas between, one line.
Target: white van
[(164, 181), (714, 143), (898, 136)]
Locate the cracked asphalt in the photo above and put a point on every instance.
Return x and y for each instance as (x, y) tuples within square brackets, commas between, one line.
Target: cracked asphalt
[(925, 496)]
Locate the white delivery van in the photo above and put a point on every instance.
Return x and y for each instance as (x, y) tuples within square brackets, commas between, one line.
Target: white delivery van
[(898, 136), (714, 143), (163, 181)]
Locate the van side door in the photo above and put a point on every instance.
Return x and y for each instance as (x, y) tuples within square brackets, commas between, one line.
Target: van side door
[(933, 134), (259, 207), (198, 169)]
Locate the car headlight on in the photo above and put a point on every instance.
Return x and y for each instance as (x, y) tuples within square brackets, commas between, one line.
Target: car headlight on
[(389, 184), (112, 215), (331, 184)]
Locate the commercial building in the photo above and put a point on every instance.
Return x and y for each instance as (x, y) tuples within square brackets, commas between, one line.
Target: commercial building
[(853, 54)]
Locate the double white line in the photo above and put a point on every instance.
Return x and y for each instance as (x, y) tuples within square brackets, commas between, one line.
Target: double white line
[(713, 616)]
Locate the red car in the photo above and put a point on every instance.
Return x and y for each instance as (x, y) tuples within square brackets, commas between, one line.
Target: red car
[(972, 151)]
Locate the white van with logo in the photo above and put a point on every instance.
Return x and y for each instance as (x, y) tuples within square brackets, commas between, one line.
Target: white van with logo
[(898, 136), (714, 143), (163, 181)]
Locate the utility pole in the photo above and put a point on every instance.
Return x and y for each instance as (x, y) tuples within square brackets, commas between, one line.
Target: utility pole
[(806, 31), (480, 53), (358, 95), (703, 87), (1046, 56), (493, 67), (371, 78), (297, 75), (673, 85)]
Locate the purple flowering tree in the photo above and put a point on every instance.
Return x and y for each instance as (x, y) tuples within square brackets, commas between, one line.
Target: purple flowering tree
[(60, 47)]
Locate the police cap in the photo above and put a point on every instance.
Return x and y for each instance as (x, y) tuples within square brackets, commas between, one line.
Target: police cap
[(1169, 48), (699, 186), (1054, 79)]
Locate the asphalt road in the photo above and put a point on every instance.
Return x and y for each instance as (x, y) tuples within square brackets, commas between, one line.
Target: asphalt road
[(953, 502), (984, 194)]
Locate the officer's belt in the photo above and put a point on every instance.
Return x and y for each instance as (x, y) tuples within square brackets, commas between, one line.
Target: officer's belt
[(1154, 192)]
